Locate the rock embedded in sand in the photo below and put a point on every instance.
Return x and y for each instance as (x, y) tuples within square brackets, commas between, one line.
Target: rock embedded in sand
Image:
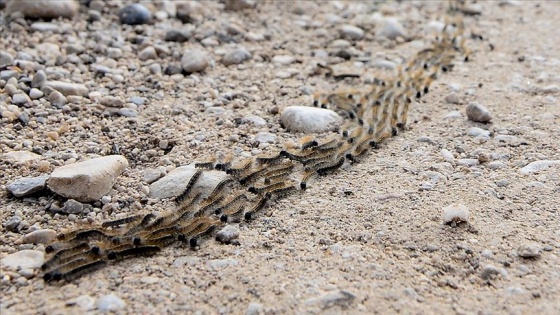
[(478, 113), (43, 236), (351, 32), (227, 234), (309, 119), (26, 186), (45, 9), (24, 259), (529, 251), (392, 29), (455, 213), (87, 181)]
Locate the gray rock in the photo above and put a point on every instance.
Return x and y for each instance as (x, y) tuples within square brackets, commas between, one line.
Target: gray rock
[(392, 29), (447, 155), (496, 165), (489, 272), (72, 206), (478, 113), (127, 112), (227, 234), (529, 251), (253, 309), (27, 186), (44, 9), (94, 16), (110, 303), (310, 119), (194, 61), (283, 59), (43, 236), (111, 101), (236, 56), (57, 99), (236, 5), (21, 99), (221, 263), (35, 93), (8, 74), (24, 259), (45, 27), (39, 79), (452, 98), (84, 302), (351, 32), (5, 59), (177, 35), (12, 223), (68, 88), (328, 300), (137, 100), (468, 162), (479, 133), (265, 137), (147, 53), (175, 182), (538, 166), (135, 14), (502, 183), (426, 186), (255, 120), (384, 64), (89, 180)]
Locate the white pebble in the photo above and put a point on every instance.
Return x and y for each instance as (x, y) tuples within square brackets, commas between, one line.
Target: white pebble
[(109, 303), (455, 213)]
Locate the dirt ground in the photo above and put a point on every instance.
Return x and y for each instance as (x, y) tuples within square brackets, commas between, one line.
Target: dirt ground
[(368, 239)]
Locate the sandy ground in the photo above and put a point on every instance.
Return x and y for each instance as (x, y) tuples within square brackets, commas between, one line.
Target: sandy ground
[(384, 244)]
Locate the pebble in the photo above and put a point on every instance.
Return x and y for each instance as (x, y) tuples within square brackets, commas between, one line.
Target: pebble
[(84, 302), (57, 99), (447, 155), (67, 88), (21, 99), (39, 79), (265, 137), (20, 157), (175, 182), (26, 186), (43, 9), (236, 56), (529, 251), (478, 113), (110, 303), (5, 59), (227, 234), (186, 260), (489, 272), (87, 181), (502, 183), (194, 61), (426, 186), (341, 298), (392, 29), (468, 162), (179, 36), (384, 64), (310, 119), (43, 236), (45, 27), (221, 263), (479, 133), (12, 223), (351, 32), (236, 5), (255, 120), (254, 309), (283, 59), (147, 53), (24, 259), (496, 165), (8, 74), (134, 14), (72, 206), (455, 213), (35, 93), (452, 98), (538, 166)]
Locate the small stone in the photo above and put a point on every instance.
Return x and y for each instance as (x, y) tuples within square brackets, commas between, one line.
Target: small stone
[(12, 223), (455, 213), (44, 27), (94, 16), (57, 99), (254, 309), (447, 155), (84, 302), (489, 272), (221, 263), (27, 186), (426, 186), (21, 99), (283, 59), (20, 157), (255, 120), (53, 135), (236, 5), (538, 166), (351, 32), (496, 165), (194, 61), (135, 14), (392, 29), (147, 53), (529, 251), (5, 59), (452, 98), (236, 56), (24, 259), (384, 64), (111, 101), (175, 182), (478, 113), (127, 112), (502, 183), (310, 119), (43, 9), (5, 75), (328, 300), (227, 234), (110, 303), (87, 181), (478, 133), (265, 137), (468, 162), (35, 93), (68, 88), (179, 36), (72, 206), (43, 236), (39, 79)]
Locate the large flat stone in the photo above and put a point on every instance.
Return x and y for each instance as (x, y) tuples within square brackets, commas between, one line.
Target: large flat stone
[(89, 180), (174, 183)]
